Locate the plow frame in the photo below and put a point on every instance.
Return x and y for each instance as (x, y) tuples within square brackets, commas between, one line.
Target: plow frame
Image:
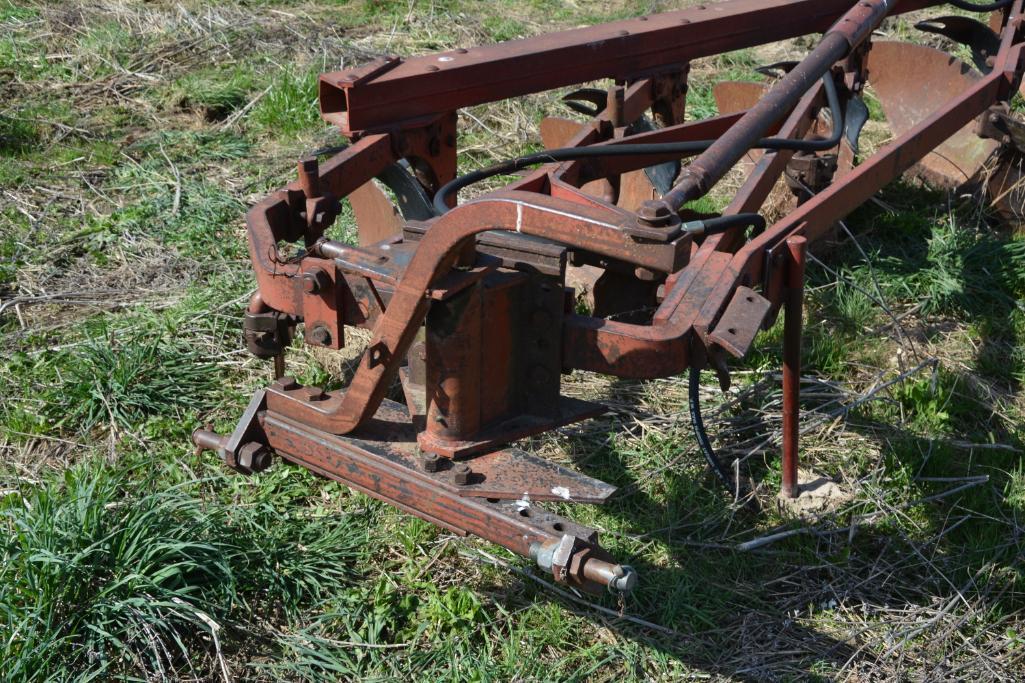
[(470, 309)]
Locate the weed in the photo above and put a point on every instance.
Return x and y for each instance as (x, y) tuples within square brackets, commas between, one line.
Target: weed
[(123, 381), (290, 105), (104, 575), (16, 135), (501, 28), (1014, 491), (182, 210), (92, 578), (216, 93), (732, 66)]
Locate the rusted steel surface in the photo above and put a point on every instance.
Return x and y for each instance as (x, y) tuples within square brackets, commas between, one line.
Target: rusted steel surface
[(472, 305), (912, 82), (404, 90), (734, 96), (796, 251)]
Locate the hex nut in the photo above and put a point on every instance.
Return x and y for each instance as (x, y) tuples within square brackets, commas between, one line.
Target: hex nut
[(462, 473), (655, 212), (254, 457), (314, 280), (430, 462)]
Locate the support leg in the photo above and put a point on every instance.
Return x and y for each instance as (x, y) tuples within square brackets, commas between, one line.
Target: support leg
[(797, 246)]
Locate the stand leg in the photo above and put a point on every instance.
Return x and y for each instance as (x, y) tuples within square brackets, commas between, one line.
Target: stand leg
[(796, 247)]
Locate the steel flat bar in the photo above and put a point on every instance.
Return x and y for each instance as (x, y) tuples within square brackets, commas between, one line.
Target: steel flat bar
[(406, 489), (416, 88)]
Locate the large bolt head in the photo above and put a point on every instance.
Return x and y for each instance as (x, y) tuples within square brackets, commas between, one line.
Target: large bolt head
[(314, 280), (254, 457), (655, 212)]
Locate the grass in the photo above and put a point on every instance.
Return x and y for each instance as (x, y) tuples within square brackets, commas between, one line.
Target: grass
[(105, 574), (132, 138)]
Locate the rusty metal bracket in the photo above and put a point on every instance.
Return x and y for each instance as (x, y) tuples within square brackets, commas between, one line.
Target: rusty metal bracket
[(997, 123)]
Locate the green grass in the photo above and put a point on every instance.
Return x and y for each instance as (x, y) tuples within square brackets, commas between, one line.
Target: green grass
[(134, 136), (731, 66), (290, 105), (118, 383), (106, 573), (216, 93)]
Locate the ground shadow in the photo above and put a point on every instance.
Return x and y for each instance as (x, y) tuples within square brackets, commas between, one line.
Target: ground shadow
[(851, 593)]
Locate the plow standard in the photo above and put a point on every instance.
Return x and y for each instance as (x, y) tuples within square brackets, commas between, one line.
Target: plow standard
[(472, 305)]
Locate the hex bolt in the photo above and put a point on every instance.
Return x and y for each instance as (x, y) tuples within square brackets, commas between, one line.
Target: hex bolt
[(314, 280), (655, 213), (206, 439), (462, 473), (430, 462), (320, 335)]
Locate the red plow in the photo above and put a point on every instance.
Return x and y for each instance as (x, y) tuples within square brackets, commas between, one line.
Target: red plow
[(472, 305)]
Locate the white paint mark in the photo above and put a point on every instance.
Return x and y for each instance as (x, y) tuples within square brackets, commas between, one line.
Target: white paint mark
[(446, 59), (561, 492), (546, 209), (519, 218), (524, 502)]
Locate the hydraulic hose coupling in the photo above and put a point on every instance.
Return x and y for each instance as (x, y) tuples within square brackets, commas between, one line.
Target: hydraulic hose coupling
[(719, 224)]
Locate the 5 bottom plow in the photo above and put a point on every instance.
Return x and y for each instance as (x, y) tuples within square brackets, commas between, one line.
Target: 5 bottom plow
[(472, 305)]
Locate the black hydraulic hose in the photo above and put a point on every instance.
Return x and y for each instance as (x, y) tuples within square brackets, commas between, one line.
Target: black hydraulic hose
[(699, 432), (718, 224), (972, 7), (599, 151)]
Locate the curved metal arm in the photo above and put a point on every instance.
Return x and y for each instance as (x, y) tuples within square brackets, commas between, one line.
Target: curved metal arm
[(596, 229)]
